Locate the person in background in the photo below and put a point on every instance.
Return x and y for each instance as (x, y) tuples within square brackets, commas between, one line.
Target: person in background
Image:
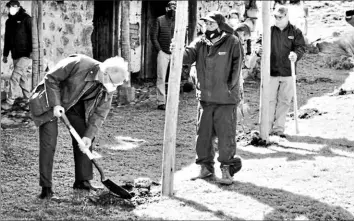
[(161, 36), (82, 88), (218, 57), (18, 41), (234, 18), (287, 45)]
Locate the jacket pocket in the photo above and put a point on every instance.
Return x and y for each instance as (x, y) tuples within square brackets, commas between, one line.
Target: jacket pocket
[(38, 102)]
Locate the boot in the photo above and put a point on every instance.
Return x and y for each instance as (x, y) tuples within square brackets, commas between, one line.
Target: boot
[(226, 178), (46, 193), (204, 173)]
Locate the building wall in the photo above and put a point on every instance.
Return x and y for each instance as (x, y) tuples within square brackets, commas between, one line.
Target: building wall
[(67, 28)]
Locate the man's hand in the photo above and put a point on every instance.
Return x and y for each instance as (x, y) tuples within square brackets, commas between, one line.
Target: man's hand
[(172, 45), (58, 111), (31, 55), (4, 59), (87, 141), (293, 56)]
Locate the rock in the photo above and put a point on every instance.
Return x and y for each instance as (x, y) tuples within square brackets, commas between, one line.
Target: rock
[(142, 182), (6, 122)]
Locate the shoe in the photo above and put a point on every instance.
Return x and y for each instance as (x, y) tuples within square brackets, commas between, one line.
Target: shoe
[(226, 178), (84, 185), (161, 107), (204, 173), (46, 193), (6, 106)]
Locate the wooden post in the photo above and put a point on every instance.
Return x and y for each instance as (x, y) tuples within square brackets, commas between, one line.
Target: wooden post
[(37, 45), (265, 72), (169, 143)]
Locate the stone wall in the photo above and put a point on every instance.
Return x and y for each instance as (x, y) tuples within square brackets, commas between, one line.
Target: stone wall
[(67, 28)]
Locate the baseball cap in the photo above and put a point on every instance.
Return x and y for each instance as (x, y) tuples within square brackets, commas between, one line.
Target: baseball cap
[(12, 3), (280, 10), (216, 16)]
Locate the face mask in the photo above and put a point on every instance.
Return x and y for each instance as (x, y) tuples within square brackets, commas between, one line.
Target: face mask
[(13, 11), (212, 34), (171, 13), (234, 22)]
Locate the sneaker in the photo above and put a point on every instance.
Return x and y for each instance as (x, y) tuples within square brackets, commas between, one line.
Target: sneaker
[(46, 193), (84, 185), (6, 106), (161, 107)]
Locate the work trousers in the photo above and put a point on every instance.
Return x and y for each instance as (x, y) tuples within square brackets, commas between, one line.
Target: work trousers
[(20, 84), (216, 120), (163, 60), (280, 95), (48, 134)]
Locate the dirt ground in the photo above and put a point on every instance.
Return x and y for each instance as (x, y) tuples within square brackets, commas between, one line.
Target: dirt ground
[(308, 176)]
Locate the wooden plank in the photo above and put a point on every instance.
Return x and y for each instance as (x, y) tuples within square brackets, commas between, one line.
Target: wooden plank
[(169, 144), (35, 44), (265, 72)]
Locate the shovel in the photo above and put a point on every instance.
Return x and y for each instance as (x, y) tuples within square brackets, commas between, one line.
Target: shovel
[(114, 188), (295, 96)]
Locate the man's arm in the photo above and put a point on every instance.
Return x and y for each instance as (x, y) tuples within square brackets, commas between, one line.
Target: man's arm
[(56, 75), (154, 35), (190, 53), (237, 59), (99, 115), (299, 44)]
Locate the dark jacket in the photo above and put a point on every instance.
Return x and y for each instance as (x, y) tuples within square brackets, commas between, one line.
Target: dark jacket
[(65, 85), (18, 35), (218, 68), (282, 43), (162, 33)]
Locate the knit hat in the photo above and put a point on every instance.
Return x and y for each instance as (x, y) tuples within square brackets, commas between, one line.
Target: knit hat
[(217, 17), (12, 3), (171, 3)]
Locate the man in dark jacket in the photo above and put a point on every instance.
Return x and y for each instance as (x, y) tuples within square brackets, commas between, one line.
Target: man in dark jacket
[(161, 35), (287, 45), (218, 56), (18, 40), (82, 88)]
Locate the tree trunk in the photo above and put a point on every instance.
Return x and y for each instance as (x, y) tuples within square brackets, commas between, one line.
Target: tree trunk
[(126, 93), (125, 33), (37, 46)]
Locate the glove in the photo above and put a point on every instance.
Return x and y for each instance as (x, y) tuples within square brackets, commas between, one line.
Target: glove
[(58, 110)]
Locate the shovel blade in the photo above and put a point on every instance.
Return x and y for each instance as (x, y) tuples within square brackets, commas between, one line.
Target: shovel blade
[(114, 188)]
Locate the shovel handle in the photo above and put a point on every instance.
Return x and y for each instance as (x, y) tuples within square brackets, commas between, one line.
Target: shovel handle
[(295, 96), (76, 136)]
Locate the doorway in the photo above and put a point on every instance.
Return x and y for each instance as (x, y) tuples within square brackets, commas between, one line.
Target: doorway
[(150, 11), (105, 29)]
